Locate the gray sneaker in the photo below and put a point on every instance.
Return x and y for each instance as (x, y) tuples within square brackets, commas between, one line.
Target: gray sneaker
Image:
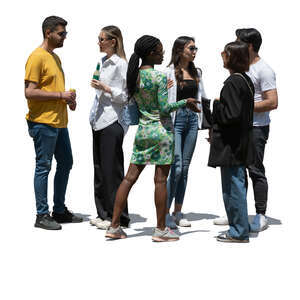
[(115, 233), (46, 222), (170, 222), (166, 235)]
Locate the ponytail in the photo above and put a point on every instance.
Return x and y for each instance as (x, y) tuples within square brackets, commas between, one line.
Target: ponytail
[(142, 48)]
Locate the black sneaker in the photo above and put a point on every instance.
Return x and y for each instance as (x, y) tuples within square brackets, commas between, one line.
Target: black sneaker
[(66, 217), (46, 222)]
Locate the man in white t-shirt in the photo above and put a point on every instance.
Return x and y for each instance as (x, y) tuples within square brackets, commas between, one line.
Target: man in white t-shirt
[(265, 97)]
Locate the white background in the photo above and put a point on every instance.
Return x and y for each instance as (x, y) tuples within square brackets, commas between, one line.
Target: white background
[(77, 262)]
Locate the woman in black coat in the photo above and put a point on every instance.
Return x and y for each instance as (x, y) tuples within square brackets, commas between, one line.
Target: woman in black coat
[(231, 139)]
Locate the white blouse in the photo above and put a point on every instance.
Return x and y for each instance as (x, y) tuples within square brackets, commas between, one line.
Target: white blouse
[(107, 108)]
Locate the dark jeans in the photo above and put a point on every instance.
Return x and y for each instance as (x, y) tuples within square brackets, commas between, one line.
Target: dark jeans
[(108, 170), (186, 132), (257, 170), (49, 141), (234, 188)]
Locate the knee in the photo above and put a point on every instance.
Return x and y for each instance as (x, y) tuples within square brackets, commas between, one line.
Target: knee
[(43, 165), (178, 172), (131, 178), (185, 170), (65, 164)]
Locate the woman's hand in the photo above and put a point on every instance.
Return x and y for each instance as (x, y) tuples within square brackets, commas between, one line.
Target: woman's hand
[(209, 135), (170, 83), (191, 103), (99, 85)]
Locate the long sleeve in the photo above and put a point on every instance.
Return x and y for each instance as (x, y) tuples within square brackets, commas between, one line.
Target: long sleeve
[(166, 108), (227, 110), (118, 93)]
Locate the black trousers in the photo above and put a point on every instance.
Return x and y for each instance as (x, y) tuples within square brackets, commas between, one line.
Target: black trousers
[(108, 170), (257, 170)]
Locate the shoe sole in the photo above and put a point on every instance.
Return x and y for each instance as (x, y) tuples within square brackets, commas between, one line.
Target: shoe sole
[(184, 225), (68, 222), (159, 239), (260, 230), (102, 227), (232, 241), (220, 223), (115, 236), (46, 228)]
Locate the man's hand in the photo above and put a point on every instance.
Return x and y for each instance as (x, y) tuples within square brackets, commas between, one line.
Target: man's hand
[(73, 105), (68, 96)]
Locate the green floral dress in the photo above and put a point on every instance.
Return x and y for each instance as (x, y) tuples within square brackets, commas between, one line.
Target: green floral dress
[(154, 139)]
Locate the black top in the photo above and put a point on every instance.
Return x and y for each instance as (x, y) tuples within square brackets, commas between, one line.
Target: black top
[(189, 89), (231, 139)]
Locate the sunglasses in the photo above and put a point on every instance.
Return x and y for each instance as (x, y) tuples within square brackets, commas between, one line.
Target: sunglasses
[(104, 39), (62, 33), (193, 48)]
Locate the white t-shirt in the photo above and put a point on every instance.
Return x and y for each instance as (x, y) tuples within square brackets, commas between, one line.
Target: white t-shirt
[(264, 79)]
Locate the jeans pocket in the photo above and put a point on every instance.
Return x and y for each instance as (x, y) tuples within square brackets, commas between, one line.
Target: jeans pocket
[(32, 132)]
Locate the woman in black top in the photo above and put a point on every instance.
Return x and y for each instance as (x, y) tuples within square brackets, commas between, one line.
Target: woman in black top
[(186, 84), (231, 139)]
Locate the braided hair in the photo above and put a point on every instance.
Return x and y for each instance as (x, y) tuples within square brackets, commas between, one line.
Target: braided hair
[(142, 48)]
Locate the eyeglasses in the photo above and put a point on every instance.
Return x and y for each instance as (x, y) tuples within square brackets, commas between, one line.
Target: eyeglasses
[(193, 48), (62, 33)]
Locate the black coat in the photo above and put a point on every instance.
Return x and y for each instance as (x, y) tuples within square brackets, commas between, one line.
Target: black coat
[(232, 117)]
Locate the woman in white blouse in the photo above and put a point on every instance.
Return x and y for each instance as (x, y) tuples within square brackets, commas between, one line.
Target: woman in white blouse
[(185, 81), (107, 126)]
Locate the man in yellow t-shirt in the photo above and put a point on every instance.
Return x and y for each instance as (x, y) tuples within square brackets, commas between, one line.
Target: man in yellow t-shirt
[(47, 120)]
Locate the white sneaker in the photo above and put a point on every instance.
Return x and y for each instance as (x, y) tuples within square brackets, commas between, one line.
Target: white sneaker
[(221, 221), (103, 224), (180, 221), (259, 223), (95, 221)]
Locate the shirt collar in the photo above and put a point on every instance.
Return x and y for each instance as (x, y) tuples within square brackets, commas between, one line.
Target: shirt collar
[(114, 59)]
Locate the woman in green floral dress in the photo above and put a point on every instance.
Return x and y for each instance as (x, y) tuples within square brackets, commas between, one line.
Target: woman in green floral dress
[(154, 140)]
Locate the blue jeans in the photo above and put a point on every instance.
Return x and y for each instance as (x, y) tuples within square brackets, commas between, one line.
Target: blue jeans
[(49, 141), (234, 187), (186, 132)]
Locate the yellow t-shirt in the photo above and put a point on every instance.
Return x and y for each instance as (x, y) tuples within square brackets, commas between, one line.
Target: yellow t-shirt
[(45, 69)]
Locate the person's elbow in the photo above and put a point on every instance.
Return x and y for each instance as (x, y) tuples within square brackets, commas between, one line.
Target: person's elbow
[(275, 104), (28, 93)]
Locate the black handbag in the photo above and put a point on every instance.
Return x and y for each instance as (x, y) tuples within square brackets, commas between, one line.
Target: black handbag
[(207, 115)]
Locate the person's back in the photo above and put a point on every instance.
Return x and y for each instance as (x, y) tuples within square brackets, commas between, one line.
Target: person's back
[(149, 95)]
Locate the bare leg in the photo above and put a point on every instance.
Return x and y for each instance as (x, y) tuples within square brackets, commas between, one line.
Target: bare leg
[(177, 208), (160, 195), (129, 180)]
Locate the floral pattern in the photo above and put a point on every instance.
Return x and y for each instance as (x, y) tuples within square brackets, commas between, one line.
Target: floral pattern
[(154, 139)]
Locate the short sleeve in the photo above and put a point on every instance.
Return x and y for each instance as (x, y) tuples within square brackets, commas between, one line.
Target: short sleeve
[(267, 80), (33, 68)]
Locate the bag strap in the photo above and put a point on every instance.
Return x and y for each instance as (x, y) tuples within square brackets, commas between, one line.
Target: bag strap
[(245, 81)]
